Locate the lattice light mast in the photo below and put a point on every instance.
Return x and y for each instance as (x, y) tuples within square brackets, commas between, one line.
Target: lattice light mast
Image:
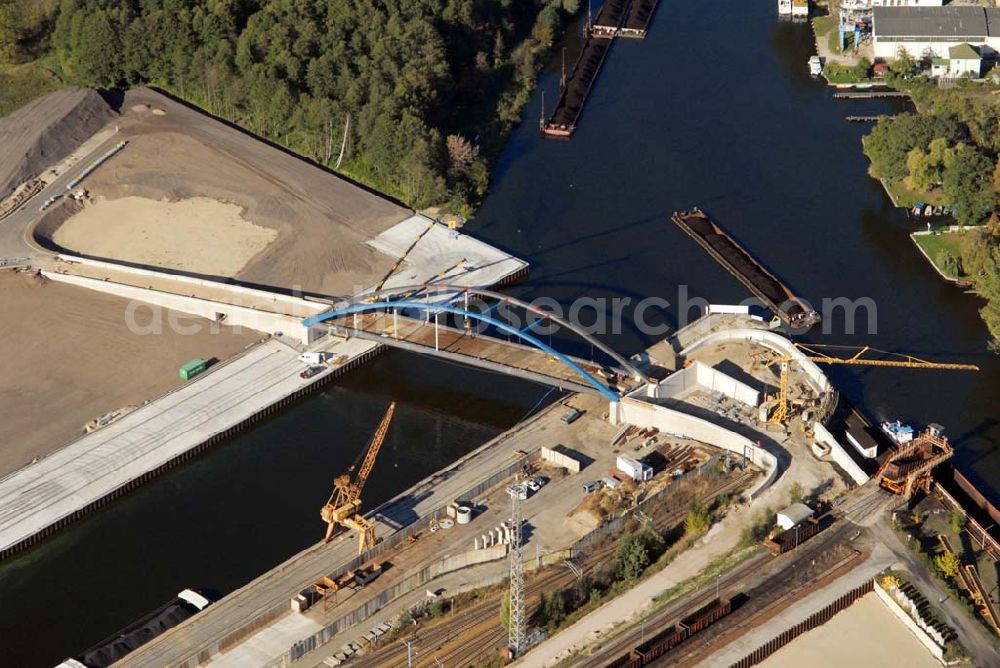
[(517, 629)]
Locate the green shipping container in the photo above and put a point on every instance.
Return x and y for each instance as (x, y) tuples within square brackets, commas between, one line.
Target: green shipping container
[(192, 368)]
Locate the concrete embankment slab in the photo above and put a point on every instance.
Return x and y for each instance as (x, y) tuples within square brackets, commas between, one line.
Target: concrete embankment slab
[(40, 498)]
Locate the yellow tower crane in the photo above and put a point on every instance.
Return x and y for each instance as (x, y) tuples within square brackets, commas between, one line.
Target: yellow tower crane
[(782, 410), (345, 501)]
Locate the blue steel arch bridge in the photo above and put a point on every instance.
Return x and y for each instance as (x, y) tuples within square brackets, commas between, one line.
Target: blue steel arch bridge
[(482, 328)]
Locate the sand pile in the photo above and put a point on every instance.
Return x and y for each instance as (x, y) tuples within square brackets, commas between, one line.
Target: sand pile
[(42, 133), (198, 235)]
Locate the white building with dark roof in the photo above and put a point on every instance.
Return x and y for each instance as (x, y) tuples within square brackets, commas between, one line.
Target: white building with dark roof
[(930, 32)]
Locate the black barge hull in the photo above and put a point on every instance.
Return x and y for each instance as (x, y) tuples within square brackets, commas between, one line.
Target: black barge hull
[(738, 262)]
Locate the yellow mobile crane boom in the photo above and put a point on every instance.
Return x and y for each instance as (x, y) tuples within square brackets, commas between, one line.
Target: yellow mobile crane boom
[(399, 262), (781, 411), (345, 501)]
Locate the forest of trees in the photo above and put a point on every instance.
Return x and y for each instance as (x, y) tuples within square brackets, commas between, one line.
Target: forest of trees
[(431, 87)]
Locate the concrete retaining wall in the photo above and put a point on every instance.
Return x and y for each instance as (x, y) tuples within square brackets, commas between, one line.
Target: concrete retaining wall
[(236, 316), (643, 414), (702, 375), (282, 314), (775, 342), (466, 559), (560, 459), (823, 436), (717, 381), (286, 304)]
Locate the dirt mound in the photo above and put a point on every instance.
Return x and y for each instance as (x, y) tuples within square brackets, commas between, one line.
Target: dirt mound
[(42, 133)]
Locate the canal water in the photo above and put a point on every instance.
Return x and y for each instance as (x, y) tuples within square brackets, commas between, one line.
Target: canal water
[(716, 109)]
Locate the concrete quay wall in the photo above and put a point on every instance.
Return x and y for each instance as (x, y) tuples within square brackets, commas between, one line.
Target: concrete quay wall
[(100, 467)]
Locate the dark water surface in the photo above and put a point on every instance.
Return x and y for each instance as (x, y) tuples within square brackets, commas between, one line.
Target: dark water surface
[(714, 108)]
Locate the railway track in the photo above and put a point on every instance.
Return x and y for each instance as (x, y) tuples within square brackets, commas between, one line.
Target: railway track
[(476, 631), (772, 588)]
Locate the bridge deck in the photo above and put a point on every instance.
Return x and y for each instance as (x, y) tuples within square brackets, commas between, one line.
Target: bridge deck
[(467, 347)]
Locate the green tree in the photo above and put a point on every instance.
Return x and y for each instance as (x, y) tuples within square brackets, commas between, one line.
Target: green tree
[(968, 183), (893, 137), (947, 563), (926, 168), (553, 608), (796, 493), (697, 521), (632, 556), (862, 68), (957, 520), (981, 263), (904, 65), (949, 264), (409, 74), (9, 30), (546, 26)]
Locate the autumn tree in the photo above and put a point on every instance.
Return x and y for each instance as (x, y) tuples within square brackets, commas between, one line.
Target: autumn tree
[(461, 155), (947, 564)]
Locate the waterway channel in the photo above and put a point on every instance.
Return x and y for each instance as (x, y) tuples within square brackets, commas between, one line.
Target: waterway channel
[(715, 108)]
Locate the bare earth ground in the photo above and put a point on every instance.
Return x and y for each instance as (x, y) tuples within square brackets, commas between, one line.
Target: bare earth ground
[(68, 357), (866, 634), (40, 134), (197, 235), (321, 221)]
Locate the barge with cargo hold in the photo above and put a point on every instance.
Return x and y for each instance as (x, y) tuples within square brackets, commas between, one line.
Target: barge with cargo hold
[(737, 261), (115, 648)]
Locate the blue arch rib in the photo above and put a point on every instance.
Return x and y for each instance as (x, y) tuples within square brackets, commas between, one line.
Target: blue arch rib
[(502, 326)]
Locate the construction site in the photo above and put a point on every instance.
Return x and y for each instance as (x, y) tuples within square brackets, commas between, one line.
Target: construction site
[(759, 513), (542, 508)]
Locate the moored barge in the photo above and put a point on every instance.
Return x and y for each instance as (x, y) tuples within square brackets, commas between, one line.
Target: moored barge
[(737, 261)]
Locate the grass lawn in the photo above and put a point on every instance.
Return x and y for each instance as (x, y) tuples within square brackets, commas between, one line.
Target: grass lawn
[(20, 84), (836, 73), (935, 244), (824, 24), (825, 27), (906, 197)]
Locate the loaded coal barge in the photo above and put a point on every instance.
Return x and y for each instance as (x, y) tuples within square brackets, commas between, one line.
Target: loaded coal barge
[(737, 261)]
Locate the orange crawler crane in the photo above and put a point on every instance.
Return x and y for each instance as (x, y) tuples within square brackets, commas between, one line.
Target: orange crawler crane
[(342, 507), (908, 468)]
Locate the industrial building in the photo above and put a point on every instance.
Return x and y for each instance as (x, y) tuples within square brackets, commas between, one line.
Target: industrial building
[(793, 514), (932, 32)]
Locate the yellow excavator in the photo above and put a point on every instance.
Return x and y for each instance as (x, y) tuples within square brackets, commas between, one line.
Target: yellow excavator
[(782, 411), (342, 507)]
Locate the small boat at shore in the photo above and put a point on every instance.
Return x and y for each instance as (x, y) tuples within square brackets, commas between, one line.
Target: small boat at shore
[(917, 209), (946, 211), (897, 431), (937, 210), (815, 66), (928, 211)]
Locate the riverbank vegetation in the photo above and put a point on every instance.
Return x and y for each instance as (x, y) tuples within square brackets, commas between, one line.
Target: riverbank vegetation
[(947, 153), (944, 249), (417, 96)]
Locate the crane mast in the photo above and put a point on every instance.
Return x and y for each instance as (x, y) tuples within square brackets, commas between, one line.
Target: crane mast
[(341, 509)]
